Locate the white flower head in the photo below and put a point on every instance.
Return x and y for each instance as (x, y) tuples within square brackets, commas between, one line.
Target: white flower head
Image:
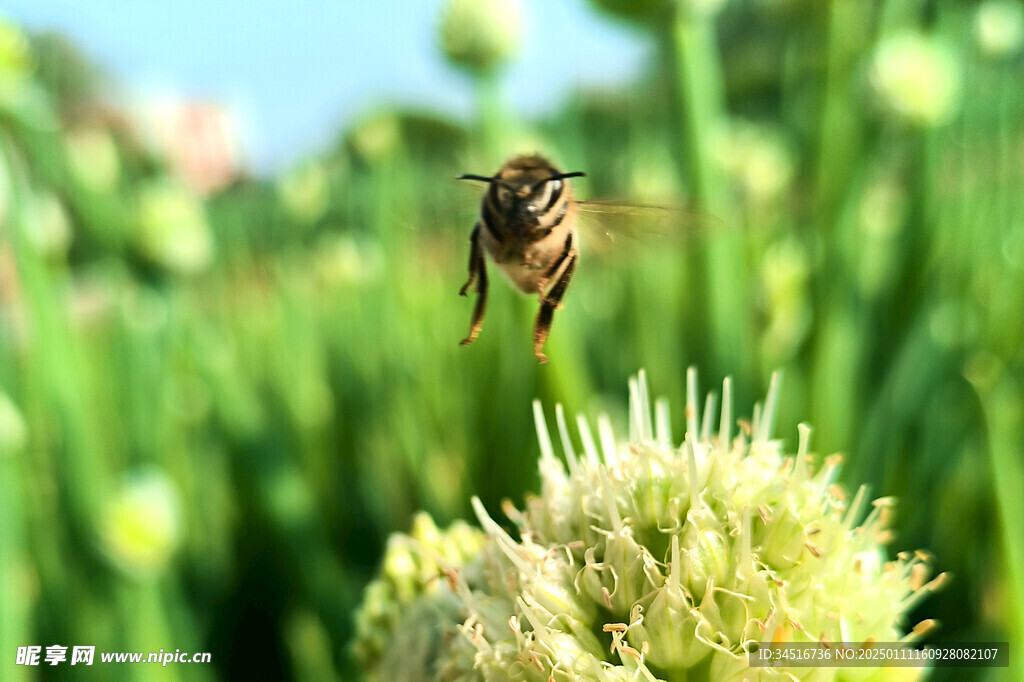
[(999, 27), (917, 77), (647, 560)]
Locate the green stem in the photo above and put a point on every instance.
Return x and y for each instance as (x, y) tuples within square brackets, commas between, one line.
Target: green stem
[(837, 355), (59, 358), (723, 272), (841, 134), (15, 600), (1003, 404), (702, 102), (490, 115)]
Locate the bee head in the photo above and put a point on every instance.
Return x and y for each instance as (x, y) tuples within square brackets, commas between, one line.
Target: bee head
[(525, 187)]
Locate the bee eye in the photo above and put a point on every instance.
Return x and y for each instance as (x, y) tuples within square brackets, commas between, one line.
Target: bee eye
[(554, 192), (500, 194)]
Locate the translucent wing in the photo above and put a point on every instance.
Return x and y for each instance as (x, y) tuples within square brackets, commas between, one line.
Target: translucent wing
[(608, 225)]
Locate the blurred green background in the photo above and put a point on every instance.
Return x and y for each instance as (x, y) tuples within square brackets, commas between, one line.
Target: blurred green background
[(220, 391)]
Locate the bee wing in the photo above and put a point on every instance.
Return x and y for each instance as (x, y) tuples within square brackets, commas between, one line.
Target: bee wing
[(608, 224), (464, 202)]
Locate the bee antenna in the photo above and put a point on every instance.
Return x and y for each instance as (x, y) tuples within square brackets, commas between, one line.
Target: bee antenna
[(563, 176), (479, 178)]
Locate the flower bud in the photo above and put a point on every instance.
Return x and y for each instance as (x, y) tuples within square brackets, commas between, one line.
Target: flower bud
[(481, 34)]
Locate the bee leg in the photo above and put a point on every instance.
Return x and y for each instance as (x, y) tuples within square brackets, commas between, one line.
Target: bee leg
[(475, 258), (548, 305), (479, 308), (478, 272), (545, 278)]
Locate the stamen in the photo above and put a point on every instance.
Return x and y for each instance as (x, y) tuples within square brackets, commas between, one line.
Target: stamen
[(692, 417), (647, 432), (709, 411), (725, 427), (589, 446), (800, 470), (563, 433), (547, 452), (607, 436), (663, 426), (767, 416)]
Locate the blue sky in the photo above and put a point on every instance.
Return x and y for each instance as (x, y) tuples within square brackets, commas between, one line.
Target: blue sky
[(297, 71)]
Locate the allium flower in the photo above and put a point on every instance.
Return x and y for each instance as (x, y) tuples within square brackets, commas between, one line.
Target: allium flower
[(344, 261), (756, 157), (93, 159), (917, 77), (50, 229), (376, 138), (406, 604), (173, 231), (13, 432), (999, 27), (785, 276), (20, 95), (644, 560), (480, 34), (140, 528), (16, 58), (304, 192)]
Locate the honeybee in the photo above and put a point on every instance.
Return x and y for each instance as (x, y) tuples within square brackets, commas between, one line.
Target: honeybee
[(527, 226)]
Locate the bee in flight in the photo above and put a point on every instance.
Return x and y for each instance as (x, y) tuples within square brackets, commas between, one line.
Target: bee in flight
[(527, 225)]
